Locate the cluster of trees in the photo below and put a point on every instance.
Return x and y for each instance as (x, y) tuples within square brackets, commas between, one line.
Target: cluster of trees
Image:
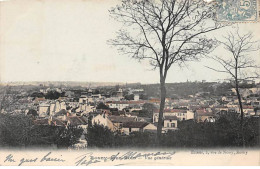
[(52, 94), (101, 105), (147, 110), (223, 133), (19, 131), (129, 96), (102, 137)]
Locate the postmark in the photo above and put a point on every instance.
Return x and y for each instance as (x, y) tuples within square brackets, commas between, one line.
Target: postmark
[(237, 10)]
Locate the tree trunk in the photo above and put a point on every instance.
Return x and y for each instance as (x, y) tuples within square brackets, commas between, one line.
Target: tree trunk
[(241, 113), (162, 105)]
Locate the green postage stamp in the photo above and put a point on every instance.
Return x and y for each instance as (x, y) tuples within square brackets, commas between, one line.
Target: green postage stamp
[(238, 10)]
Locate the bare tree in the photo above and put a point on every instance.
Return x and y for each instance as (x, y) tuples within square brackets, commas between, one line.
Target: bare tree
[(238, 63), (166, 32)]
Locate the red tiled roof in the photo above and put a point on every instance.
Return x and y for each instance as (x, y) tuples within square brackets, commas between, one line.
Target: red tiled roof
[(172, 111), (126, 102), (137, 102), (53, 121), (155, 100), (39, 99), (247, 107), (203, 113)]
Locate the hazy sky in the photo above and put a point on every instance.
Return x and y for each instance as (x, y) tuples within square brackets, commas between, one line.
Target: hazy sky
[(62, 40)]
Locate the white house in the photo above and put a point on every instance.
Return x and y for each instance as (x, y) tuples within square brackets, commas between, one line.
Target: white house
[(52, 109), (136, 97), (59, 106), (120, 105), (102, 119), (85, 108), (43, 109), (96, 96), (170, 122), (179, 113)]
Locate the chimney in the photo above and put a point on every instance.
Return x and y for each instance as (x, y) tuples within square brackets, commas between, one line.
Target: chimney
[(50, 120)]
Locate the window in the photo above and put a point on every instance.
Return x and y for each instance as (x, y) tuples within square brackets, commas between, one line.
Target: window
[(170, 120), (172, 124), (120, 125), (168, 125)]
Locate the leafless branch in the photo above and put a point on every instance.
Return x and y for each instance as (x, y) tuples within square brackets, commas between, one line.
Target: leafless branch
[(170, 31)]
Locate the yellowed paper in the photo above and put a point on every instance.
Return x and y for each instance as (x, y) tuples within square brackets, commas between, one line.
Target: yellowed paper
[(60, 41)]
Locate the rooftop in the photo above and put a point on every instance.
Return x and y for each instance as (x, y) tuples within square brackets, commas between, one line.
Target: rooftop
[(135, 124), (121, 119), (170, 118)]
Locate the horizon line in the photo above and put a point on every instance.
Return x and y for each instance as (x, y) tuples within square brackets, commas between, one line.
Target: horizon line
[(68, 81)]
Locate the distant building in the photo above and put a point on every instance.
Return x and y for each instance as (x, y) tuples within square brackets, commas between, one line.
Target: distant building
[(136, 97), (137, 126), (170, 122), (181, 114), (102, 120), (120, 105), (79, 121), (204, 116), (43, 110)]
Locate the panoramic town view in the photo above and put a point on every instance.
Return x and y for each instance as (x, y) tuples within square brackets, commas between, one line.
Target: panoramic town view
[(76, 116), (129, 74)]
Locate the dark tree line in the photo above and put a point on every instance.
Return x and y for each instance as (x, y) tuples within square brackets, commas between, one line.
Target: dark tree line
[(53, 95), (102, 137), (223, 133), (19, 131)]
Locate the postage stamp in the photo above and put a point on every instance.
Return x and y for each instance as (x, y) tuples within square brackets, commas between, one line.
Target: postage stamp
[(237, 10)]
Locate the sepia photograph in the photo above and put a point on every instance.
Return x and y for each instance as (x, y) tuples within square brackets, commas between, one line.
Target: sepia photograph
[(129, 82)]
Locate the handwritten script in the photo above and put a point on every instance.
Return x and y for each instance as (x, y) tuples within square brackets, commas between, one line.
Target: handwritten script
[(27, 161), (90, 158), (85, 159)]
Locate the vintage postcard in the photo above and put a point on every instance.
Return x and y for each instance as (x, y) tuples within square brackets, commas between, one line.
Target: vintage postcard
[(129, 82)]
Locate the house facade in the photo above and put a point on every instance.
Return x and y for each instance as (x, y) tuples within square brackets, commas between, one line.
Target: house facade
[(179, 113)]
